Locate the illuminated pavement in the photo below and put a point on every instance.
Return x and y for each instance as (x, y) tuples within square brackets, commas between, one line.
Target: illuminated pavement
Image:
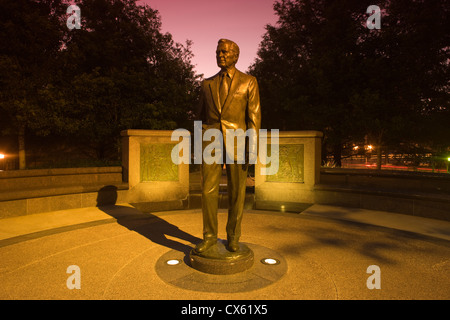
[(324, 253)]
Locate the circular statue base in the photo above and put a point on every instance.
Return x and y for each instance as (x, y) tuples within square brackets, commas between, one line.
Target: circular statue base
[(175, 268), (218, 260)]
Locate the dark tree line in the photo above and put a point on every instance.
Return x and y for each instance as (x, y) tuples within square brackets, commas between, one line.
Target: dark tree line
[(118, 71), (320, 67)]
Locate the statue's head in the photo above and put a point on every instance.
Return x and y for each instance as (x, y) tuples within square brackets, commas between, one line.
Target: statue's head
[(227, 53)]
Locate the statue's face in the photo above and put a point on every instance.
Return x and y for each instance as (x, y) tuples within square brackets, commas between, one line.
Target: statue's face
[(225, 56)]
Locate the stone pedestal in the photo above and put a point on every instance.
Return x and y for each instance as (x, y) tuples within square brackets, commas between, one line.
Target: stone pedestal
[(299, 157), (218, 260), (148, 168)]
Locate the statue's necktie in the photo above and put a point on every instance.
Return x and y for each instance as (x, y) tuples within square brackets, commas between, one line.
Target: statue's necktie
[(224, 87)]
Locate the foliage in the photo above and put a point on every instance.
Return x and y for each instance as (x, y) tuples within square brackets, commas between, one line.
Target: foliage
[(321, 68), (30, 35), (119, 71)]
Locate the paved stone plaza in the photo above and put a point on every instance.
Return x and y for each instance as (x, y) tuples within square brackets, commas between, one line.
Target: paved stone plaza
[(323, 253)]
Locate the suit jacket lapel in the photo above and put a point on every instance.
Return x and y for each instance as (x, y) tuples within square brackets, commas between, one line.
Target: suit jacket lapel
[(214, 87)]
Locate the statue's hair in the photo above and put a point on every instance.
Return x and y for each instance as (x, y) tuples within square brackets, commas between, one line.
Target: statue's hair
[(233, 45)]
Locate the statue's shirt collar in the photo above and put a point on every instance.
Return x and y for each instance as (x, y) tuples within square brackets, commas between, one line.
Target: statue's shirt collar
[(231, 72)]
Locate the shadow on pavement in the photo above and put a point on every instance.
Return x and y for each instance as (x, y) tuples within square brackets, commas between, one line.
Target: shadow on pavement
[(146, 224)]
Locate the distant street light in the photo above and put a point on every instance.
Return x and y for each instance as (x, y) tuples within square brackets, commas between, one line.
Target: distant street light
[(2, 164)]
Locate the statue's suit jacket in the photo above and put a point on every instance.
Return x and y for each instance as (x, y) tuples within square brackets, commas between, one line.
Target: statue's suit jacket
[(241, 110)]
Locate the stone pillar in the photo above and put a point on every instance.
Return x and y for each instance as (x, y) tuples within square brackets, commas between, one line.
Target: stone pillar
[(155, 182), (299, 159)]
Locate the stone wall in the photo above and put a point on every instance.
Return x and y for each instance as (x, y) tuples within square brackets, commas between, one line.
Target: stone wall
[(419, 194), (25, 192)]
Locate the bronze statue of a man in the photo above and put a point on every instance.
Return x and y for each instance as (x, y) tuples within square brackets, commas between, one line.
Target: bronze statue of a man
[(229, 100)]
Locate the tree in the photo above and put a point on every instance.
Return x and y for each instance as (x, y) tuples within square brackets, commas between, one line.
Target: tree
[(30, 34), (121, 72), (321, 68), (407, 73), (308, 66), (118, 71)]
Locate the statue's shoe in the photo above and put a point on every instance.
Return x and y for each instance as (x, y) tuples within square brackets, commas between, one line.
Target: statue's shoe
[(233, 245), (205, 245)]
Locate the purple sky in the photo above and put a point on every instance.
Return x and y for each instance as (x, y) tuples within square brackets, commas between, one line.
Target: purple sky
[(206, 21)]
